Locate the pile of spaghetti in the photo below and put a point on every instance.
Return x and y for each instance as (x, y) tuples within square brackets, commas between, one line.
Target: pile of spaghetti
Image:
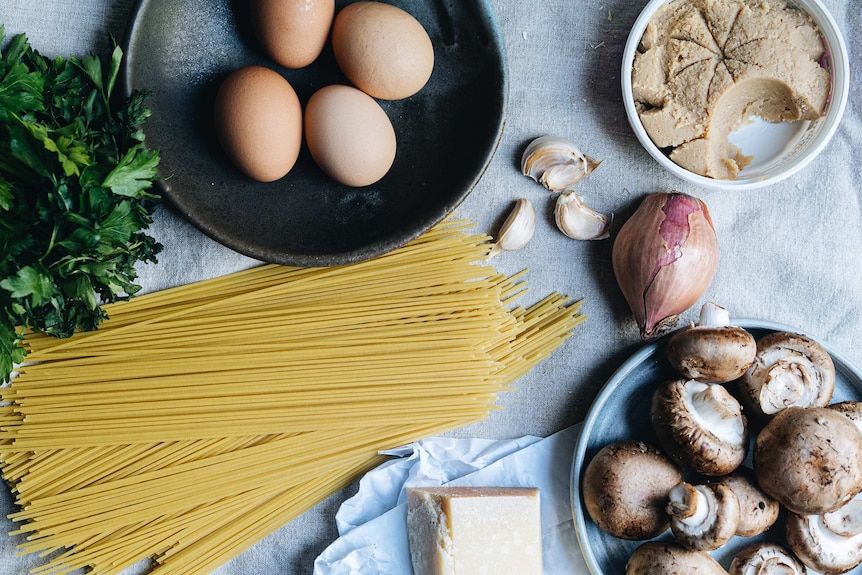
[(200, 419)]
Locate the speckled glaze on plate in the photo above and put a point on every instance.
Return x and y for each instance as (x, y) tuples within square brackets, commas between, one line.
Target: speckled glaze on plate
[(179, 50), (621, 411)]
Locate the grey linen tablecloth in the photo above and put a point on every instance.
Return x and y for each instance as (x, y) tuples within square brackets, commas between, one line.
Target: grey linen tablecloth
[(790, 253)]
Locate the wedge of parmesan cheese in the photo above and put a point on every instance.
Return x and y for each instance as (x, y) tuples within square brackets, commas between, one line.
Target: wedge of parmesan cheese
[(474, 530)]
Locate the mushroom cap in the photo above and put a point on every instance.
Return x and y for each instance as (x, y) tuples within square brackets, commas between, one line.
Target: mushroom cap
[(699, 425), (757, 510), (703, 517), (850, 409), (830, 543), (669, 558), (810, 460), (789, 370), (711, 354), (766, 558), (625, 488)]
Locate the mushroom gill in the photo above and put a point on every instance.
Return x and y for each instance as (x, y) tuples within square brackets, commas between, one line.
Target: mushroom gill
[(700, 425), (789, 370)]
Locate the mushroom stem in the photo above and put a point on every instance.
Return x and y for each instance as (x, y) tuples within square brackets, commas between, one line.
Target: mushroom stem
[(791, 380), (790, 370), (699, 425), (713, 315), (703, 517), (688, 505), (717, 410)]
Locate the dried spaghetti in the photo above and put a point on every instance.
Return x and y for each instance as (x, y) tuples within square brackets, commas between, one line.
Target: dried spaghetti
[(200, 419)]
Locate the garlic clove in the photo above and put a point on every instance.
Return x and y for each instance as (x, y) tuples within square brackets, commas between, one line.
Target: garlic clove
[(713, 315), (579, 221), (556, 163), (518, 228)]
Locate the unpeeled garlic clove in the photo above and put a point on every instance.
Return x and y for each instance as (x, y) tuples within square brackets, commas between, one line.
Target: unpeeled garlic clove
[(556, 163), (518, 228), (579, 221)]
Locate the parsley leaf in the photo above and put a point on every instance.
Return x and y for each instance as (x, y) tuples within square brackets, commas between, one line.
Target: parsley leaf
[(75, 199), (133, 174)]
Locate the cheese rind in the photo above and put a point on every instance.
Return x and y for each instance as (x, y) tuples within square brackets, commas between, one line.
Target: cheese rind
[(474, 530)]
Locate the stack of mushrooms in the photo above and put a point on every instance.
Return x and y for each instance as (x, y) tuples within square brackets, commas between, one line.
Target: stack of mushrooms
[(712, 476)]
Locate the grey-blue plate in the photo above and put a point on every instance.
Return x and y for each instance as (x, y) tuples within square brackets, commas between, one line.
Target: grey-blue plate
[(447, 133), (621, 411)]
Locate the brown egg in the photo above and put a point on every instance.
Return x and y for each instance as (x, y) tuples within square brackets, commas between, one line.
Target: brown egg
[(293, 32), (258, 120), (383, 50), (349, 135)]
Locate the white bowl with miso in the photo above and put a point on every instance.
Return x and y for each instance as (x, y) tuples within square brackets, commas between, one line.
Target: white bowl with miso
[(734, 94)]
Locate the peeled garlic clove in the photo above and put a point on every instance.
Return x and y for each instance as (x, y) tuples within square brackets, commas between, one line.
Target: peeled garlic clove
[(556, 163), (518, 228), (664, 258), (579, 221)]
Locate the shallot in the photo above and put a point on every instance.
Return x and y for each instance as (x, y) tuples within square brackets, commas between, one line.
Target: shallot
[(664, 259)]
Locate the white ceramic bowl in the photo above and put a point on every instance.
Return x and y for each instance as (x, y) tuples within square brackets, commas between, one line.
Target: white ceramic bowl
[(779, 150)]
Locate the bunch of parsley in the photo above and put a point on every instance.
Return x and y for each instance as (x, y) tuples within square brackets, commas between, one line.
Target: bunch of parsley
[(74, 175)]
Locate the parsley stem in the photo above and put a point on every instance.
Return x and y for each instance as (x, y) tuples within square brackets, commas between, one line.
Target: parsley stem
[(51, 242)]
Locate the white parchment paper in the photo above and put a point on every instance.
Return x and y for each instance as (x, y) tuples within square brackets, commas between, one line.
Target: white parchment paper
[(373, 523)]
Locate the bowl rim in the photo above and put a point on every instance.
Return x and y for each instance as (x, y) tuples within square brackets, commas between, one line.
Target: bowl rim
[(839, 72)]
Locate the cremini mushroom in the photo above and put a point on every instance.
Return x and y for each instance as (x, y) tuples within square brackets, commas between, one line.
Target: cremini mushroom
[(850, 409), (757, 510), (809, 459), (766, 558), (669, 558), (789, 369), (625, 489), (713, 350), (700, 425), (703, 517), (830, 543)]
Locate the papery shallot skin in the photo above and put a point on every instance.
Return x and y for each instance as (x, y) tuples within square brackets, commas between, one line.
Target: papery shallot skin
[(664, 258)]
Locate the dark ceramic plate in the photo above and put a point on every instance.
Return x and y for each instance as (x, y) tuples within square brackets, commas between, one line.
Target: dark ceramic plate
[(621, 411), (179, 50)]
